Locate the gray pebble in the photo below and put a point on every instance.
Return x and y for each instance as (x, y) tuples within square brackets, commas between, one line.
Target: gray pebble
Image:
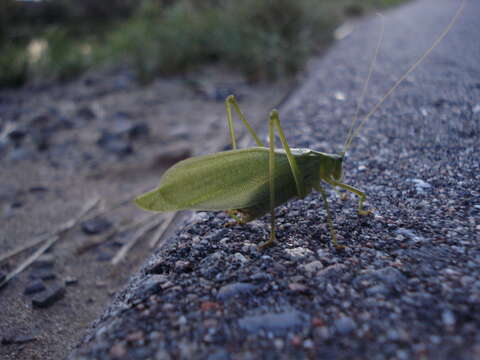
[(96, 225), (274, 322), (345, 325), (34, 287), (228, 291), (48, 297)]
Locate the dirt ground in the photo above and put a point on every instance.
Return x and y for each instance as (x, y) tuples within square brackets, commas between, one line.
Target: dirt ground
[(104, 138)]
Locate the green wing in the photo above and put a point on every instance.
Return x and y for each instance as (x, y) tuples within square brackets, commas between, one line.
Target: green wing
[(227, 180)]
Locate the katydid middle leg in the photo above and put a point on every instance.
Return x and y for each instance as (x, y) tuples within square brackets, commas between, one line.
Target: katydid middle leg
[(320, 189)]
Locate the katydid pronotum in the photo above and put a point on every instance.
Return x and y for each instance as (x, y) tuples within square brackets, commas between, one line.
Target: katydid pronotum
[(248, 183)]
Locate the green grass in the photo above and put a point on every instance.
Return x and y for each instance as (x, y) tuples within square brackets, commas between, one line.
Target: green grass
[(13, 66), (264, 39)]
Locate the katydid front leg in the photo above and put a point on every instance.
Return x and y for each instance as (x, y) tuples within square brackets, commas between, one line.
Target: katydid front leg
[(361, 195)]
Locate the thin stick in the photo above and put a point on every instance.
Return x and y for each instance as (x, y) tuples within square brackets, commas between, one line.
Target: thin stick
[(162, 229), (62, 228), (135, 238), (30, 260), (50, 241)]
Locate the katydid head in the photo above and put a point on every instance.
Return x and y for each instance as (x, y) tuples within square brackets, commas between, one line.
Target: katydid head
[(337, 168), (330, 165)]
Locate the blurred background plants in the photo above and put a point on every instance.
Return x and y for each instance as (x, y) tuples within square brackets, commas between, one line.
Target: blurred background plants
[(264, 39)]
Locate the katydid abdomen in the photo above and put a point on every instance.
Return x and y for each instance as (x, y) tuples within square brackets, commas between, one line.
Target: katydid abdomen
[(229, 180)]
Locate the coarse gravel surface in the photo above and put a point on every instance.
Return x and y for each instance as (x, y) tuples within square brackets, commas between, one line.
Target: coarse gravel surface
[(406, 286)]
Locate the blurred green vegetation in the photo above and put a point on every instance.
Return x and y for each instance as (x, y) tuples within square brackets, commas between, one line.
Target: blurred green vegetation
[(265, 39)]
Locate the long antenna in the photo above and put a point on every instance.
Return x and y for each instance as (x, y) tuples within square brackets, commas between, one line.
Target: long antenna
[(365, 86), (404, 76)]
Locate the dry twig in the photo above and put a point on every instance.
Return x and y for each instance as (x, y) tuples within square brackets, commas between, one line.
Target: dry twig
[(162, 229), (62, 228), (50, 240), (135, 238)]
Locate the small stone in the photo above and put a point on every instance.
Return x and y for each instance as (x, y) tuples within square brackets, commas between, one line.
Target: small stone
[(240, 258), (135, 336), (43, 274), (48, 297), (296, 341), (70, 281), (96, 225), (210, 306), (231, 290), (118, 350), (261, 277), (448, 318), (86, 113), (312, 267), (17, 339), (332, 272), (182, 320), (409, 234), (376, 290), (17, 135), (297, 287), (345, 325), (138, 130), (298, 253), (210, 323), (278, 343), (419, 183), (115, 144), (34, 287), (274, 322), (308, 344), (317, 322), (44, 261), (183, 266)]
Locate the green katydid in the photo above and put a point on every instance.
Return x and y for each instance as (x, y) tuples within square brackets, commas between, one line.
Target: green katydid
[(248, 183)]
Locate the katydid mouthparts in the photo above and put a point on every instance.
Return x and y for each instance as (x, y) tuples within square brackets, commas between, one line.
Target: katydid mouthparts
[(248, 183)]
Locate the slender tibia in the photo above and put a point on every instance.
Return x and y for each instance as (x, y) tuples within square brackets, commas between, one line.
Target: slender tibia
[(361, 195), (297, 175), (320, 189), (271, 173), (229, 102)]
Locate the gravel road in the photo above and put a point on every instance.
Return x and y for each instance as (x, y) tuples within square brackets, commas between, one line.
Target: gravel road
[(407, 284)]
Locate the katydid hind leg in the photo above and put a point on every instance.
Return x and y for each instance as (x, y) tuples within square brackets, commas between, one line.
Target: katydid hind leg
[(271, 173), (297, 174), (274, 121), (230, 102)]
